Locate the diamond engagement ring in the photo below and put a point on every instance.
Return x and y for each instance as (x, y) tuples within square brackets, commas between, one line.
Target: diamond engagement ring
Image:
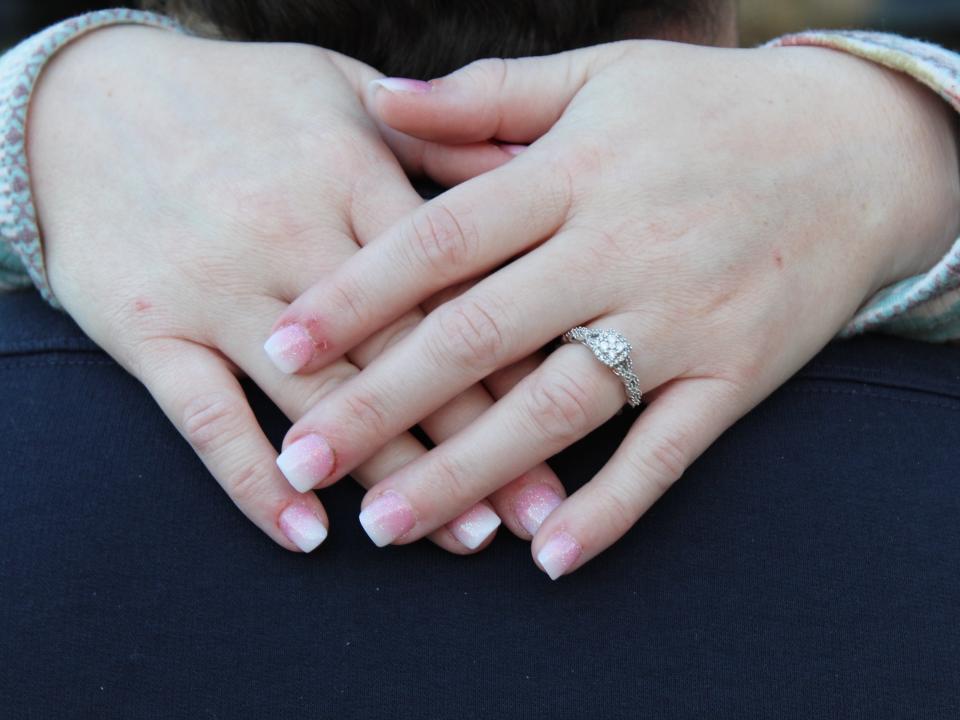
[(613, 350)]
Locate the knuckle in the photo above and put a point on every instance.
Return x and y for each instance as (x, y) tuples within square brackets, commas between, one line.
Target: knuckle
[(366, 411), (143, 357), (212, 420), (617, 510), (670, 456), (562, 195), (447, 481), (260, 210), (560, 407), (471, 334), (331, 379), (246, 487), (605, 248), (490, 73), (383, 341), (660, 464), (440, 240), (348, 300), (585, 157)]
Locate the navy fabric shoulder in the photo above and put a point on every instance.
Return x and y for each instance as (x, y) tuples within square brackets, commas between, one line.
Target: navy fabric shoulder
[(805, 567)]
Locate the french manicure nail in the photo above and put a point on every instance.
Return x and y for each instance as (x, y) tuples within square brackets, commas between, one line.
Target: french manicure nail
[(559, 554), (474, 526), (307, 462), (534, 504), (290, 348), (387, 518), (302, 527), (513, 149), (404, 85)]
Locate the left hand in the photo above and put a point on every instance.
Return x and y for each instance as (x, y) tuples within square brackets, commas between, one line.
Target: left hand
[(726, 210)]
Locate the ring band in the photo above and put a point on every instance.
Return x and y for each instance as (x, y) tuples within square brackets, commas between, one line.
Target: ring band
[(613, 350)]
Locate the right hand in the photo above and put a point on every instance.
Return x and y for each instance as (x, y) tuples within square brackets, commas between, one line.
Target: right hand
[(188, 190)]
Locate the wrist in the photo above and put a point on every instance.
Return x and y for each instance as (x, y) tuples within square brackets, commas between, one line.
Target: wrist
[(929, 183), (83, 102), (903, 174)]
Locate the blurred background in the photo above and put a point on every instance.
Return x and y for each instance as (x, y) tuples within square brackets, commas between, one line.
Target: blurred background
[(760, 19)]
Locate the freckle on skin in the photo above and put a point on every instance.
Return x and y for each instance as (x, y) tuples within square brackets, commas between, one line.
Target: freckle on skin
[(778, 258)]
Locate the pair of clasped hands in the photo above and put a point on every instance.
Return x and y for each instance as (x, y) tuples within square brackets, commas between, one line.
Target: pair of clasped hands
[(726, 210)]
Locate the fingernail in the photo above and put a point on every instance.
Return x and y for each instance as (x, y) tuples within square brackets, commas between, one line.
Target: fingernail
[(534, 504), (302, 527), (290, 348), (404, 85), (307, 462), (387, 518), (559, 554), (513, 149), (474, 526)]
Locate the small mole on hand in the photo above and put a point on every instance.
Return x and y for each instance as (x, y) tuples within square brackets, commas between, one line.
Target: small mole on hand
[(778, 258)]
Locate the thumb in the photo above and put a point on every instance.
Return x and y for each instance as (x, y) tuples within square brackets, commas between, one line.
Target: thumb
[(513, 101)]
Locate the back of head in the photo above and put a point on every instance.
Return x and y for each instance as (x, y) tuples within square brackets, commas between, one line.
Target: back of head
[(429, 38)]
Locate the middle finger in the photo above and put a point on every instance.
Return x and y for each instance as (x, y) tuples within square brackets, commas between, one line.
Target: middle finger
[(458, 344)]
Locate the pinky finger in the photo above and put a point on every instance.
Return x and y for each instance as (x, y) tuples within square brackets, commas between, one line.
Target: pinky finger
[(203, 399), (470, 533), (686, 417), (524, 503)]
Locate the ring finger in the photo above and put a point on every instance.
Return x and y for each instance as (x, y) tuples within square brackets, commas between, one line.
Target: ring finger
[(570, 395)]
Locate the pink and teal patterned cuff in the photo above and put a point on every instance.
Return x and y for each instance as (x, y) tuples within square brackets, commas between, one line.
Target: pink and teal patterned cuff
[(21, 251), (926, 306)]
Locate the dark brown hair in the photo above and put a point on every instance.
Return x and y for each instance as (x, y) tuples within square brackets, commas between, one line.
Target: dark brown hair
[(429, 38)]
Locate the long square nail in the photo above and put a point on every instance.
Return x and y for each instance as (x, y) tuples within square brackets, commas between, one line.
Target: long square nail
[(290, 348), (534, 504), (302, 527), (387, 518), (559, 554), (475, 525), (307, 462), (403, 85)]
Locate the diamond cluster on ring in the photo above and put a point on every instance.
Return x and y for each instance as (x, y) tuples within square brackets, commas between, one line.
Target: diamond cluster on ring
[(613, 350)]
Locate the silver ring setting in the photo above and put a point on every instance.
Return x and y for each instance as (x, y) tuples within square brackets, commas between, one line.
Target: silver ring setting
[(613, 350)]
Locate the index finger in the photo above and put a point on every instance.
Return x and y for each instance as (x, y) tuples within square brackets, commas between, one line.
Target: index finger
[(513, 100), (460, 234)]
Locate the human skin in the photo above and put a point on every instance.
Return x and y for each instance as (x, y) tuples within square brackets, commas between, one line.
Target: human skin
[(726, 210), (187, 190)]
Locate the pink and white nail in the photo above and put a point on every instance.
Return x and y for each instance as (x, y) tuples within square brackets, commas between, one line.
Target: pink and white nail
[(387, 518), (302, 527), (404, 85), (534, 504), (307, 462), (512, 149), (559, 554), (290, 348), (475, 525)]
